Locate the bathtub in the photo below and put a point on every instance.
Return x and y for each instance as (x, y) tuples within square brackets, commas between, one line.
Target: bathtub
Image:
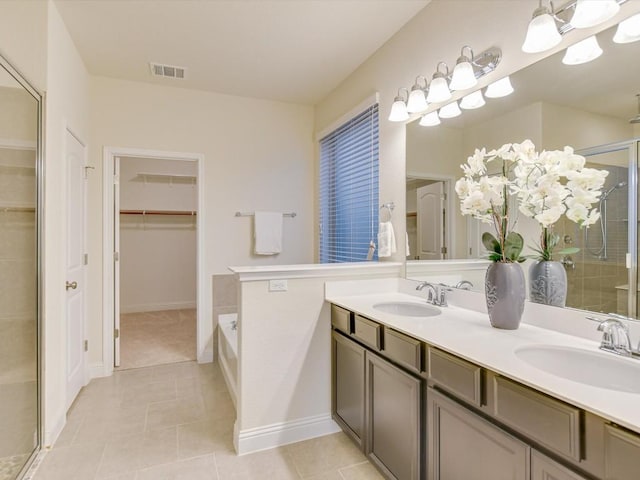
[(228, 351)]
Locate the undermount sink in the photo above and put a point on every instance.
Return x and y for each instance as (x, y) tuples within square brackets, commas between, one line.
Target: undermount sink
[(408, 309), (598, 369)]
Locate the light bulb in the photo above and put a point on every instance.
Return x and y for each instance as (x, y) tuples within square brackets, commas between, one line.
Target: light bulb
[(472, 101), (463, 76), (430, 120), (450, 110), (439, 90), (499, 88), (417, 101), (628, 30), (582, 52), (542, 33), (590, 13)]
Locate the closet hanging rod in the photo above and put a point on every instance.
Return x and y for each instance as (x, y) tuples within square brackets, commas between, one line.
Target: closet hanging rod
[(190, 213), (251, 214), (17, 209)]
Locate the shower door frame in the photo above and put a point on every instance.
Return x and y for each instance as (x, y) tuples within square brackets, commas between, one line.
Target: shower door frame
[(632, 146)]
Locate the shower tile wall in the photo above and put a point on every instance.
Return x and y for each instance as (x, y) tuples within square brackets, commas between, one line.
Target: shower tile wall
[(597, 283), (18, 314)]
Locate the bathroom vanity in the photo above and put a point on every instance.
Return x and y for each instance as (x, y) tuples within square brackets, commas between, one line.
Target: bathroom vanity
[(448, 397)]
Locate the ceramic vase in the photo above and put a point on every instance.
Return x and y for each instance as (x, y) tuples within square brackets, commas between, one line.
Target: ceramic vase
[(548, 283), (505, 294)]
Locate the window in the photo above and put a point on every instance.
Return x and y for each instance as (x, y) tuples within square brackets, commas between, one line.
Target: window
[(349, 189)]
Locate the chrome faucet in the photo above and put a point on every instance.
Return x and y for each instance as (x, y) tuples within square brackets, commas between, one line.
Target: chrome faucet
[(437, 295), (615, 337), (464, 285)]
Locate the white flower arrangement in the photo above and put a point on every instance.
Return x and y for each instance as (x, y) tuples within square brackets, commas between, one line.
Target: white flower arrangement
[(548, 185)]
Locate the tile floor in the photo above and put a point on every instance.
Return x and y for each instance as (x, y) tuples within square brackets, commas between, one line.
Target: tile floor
[(175, 422), (156, 338)]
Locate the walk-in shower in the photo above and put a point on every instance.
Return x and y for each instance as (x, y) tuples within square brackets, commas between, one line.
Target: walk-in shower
[(601, 252)]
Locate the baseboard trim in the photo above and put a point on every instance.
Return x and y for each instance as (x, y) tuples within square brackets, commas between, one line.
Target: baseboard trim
[(52, 434), (98, 370), (157, 307), (278, 434)]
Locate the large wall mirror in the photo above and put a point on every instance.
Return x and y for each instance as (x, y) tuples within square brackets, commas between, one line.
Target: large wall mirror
[(588, 107), (20, 180)]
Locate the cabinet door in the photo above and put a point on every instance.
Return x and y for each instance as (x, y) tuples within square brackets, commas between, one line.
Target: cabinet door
[(348, 386), (543, 468), (462, 445), (622, 454), (393, 419)]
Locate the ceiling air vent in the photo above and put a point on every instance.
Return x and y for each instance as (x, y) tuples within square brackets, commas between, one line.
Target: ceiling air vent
[(169, 71)]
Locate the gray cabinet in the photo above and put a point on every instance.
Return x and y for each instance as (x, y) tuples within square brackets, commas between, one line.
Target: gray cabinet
[(543, 468), (462, 445), (622, 454), (393, 419), (348, 394)]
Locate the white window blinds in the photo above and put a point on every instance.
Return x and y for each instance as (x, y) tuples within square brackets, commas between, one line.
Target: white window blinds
[(349, 189)]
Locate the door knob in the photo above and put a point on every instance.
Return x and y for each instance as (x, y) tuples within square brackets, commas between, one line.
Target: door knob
[(71, 285)]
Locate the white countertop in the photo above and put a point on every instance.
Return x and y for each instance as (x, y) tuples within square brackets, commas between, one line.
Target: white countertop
[(468, 334)]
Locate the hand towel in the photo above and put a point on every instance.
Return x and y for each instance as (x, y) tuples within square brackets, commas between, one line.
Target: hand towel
[(386, 240), (408, 250), (268, 233)]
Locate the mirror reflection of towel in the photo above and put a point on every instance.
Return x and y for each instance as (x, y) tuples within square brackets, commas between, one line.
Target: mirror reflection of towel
[(268, 233), (386, 240)]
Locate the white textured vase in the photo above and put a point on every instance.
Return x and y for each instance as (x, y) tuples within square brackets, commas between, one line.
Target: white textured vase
[(505, 294), (548, 283)]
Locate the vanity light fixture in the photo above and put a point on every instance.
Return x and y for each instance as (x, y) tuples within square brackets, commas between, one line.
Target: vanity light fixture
[(589, 13), (628, 30), (450, 110), (417, 100), (472, 101), (399, 111), (500, 88), (430, 120), (463, 76), (439, 89), (542, 33), (582, 52)]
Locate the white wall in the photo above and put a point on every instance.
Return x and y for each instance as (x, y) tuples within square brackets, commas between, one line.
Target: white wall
[(435, 34), (157, 252), (258, 155), (67, 107)]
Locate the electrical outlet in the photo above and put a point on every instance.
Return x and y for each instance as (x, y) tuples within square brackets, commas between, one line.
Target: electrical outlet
[(277, 285)]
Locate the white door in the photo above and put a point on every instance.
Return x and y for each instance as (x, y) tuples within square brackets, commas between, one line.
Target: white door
[(75, 265), (116, 262), (430, 221)]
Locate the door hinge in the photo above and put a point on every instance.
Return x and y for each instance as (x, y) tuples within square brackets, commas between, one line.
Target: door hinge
[(86, 259), (116, 179), (86, 345), (116, 333), (443, 250), (116, 256)]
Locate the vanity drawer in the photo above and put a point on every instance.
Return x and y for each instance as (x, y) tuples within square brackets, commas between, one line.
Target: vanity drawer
[(341, 319), (402, 349), (367, 331), (462, 378), (546, 420)]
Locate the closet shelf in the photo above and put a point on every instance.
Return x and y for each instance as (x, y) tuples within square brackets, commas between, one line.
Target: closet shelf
[(170, 176), (190, 213), (16, 208)]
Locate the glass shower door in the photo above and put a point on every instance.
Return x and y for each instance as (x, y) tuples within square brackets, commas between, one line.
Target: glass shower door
[(19, 266)]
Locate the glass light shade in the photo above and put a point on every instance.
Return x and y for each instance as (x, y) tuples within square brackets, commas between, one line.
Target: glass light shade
[(590, 13), (500, 88), (430, 120), (582, 52), (417, 101), (398, 111), (473, 100), (628, 30), (450, 110), (438, 90), (542, 33), (463, 75)]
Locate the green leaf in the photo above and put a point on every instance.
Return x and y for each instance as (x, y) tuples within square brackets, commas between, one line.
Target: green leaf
[(513, 245), (491, 243), (568, 251)]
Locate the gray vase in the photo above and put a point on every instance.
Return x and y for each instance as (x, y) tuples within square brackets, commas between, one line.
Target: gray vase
[(505, 293), (548, 283)]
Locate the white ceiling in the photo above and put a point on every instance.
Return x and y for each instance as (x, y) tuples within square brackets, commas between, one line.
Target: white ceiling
[(288, 50)]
